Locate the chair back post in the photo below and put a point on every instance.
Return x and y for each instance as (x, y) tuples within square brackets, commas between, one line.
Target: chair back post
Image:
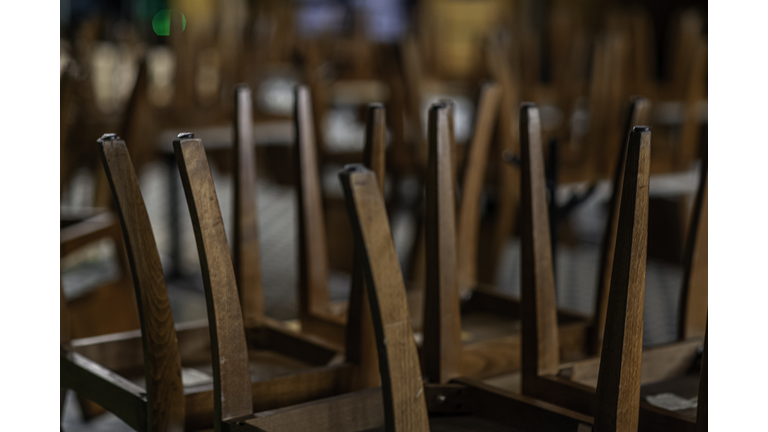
[(360, 337), (692, 315), (472, 186), (245, 250), (637, 114), (442, 347), (405, 406), (618, 384), (313, 254), (162, 364), (538, 309), (229, 354)]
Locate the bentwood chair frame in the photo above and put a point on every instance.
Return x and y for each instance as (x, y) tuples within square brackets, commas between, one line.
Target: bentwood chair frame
[(93, 367), (571, 385), (404, 402)]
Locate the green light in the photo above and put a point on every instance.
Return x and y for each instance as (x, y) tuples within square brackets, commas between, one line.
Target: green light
[(161, 23)]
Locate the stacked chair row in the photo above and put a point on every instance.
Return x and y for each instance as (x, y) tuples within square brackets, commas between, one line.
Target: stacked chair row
[(363, 370)]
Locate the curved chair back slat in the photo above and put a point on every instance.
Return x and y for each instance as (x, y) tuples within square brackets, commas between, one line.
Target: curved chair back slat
[(162, 364), (639, 111), (313, 258), (694, 294), (538, 311), (360, 336), (405, 406), (442, 323), (232, 381), (472, 186), (618, 383), (245, 250)]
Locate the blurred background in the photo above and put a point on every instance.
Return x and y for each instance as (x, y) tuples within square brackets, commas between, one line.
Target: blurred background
[(149, 69)]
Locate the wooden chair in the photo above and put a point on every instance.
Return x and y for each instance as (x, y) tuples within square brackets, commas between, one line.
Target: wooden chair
[(489, 320), (159, 405), (297, 366), (403, 402), (571, 385), (627, 290), (316, 313)]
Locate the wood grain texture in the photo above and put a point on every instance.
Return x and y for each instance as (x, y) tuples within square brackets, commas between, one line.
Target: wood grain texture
[(245, 250), (403, 392), (692, 315), (360, 337), (659, 363), (229, 354), (353, 412), (442, 320), (472, 186), (538, 310), (637, 114), (296, 388), (116, 394), (123, 352), (618, 385), (162, 365), (313, 259)]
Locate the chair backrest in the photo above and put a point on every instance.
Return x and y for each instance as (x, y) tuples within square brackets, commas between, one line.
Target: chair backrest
[(245, 248), (442, 322), (231, 377), (359, 331), (472, 185), (618, 390), (692, 315), (162, 365), (403, 391), (538, 311), (313, 258), (637, 114), (618, 382)]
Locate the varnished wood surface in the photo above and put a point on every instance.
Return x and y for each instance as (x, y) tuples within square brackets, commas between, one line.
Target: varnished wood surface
[(472, 186), (659, 363), (352, 412), (123, 352), (360, 335), (692, 314), (277, 392), (245, 248), (442, 321), (403, 391), (618, 385), (313, 260), (228, 349), (119, 396), (538, 311), (162, 363), (638, 113)]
